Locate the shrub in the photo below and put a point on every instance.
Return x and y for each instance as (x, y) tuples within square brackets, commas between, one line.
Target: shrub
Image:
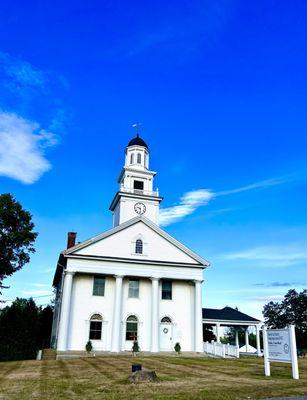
[(177, 348), (89, 346), (135, 347)]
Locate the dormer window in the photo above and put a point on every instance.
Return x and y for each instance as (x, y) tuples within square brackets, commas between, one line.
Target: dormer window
[(139, 247), (139, 158)]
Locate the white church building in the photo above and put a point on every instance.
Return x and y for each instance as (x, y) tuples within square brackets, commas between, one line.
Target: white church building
[(134, 281)]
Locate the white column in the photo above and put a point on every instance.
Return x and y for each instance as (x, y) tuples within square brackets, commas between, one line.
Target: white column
[(65, 311), (217, 332), (198, 318), (246, 340), (155, 323), (237, 338), (117, 316), (258, 340)]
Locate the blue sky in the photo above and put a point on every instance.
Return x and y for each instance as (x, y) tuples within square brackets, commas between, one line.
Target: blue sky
[(220, 88)]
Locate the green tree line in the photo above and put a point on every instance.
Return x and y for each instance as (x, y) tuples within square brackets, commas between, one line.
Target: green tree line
[(24, 329)]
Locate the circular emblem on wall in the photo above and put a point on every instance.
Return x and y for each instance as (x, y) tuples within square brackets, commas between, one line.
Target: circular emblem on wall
[(140, 208), (165, 330)]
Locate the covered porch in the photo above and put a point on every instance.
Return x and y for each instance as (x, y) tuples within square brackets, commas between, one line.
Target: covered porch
[(230, 317)]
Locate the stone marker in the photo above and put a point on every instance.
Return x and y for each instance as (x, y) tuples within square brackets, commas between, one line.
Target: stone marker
[(143, 376)]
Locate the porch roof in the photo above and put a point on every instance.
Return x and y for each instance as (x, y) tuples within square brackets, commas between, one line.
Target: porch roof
[(228, 316)]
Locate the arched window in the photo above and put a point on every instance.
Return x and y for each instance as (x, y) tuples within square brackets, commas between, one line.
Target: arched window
[(139, 158), (95, 327), (166, 320), (132, 158), (139, 246), (132, 328)]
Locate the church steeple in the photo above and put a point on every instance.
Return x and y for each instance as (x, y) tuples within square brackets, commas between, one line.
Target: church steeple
[(136, 195), (137, 153)]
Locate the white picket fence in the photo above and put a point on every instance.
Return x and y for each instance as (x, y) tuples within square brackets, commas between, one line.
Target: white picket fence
[(221, 350)]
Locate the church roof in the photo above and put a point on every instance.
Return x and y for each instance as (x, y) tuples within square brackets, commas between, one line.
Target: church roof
[(226, 314), (137, 141)]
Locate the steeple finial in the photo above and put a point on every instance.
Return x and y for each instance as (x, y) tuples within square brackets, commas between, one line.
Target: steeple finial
[(136, 126)]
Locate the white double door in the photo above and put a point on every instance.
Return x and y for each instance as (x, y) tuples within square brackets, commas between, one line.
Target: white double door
[(166, 339)]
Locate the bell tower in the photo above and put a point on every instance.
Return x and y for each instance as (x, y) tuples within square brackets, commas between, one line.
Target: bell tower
[(136, 194)]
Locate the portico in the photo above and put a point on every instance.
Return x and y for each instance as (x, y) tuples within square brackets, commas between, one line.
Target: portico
[(118, 318), (230, 317)]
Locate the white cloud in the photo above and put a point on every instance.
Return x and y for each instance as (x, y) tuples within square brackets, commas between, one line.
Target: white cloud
[(22, 144), (46, 271), (268, 298), (40, 285), (258, 185), (270, 256), (37, 292), (20, 73), (188, 203)]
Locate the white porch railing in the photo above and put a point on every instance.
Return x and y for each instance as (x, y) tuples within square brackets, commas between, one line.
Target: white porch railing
[(221, 350)]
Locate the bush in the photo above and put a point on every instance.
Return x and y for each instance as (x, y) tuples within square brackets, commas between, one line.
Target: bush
[(135, 347), (89, 346), (177, 348)]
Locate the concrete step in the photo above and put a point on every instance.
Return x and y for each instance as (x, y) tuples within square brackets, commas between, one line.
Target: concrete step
[(49, 354)]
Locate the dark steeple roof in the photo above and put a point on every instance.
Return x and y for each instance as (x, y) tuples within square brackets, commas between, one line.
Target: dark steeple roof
[(137, 141), (226, 313)]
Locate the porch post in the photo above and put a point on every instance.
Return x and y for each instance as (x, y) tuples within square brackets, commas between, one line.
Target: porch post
[(237, 337), (217, 332), (258, 340), (246, 339)]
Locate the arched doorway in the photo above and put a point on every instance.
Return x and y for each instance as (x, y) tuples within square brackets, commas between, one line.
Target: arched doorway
[(166, 333)]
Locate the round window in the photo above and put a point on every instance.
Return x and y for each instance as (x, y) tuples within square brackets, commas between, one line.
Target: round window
[(165, 330)]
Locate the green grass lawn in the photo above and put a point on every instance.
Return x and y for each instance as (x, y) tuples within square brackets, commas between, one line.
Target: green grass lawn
[(179, 378)]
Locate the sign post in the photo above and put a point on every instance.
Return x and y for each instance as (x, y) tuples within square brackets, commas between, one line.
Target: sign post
[(280, 345)]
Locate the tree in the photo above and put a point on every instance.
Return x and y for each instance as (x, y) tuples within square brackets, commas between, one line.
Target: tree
[(292, 310), (16, 236), (24, 329), (208, 334)]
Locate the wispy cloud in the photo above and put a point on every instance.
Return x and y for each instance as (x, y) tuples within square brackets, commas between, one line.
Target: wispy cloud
[(40, 285), (31, 118), (22, 148), (21, 73), (202, 22), (46, 270), (259, 185), (280, 284), (268, 298), (188, 203), (37, 292), (192, 200), (270, 256)]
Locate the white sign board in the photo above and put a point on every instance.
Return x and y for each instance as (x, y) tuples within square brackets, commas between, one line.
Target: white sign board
[(279, 345)]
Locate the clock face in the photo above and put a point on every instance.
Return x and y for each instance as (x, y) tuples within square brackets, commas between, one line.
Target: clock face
[(140, 208)]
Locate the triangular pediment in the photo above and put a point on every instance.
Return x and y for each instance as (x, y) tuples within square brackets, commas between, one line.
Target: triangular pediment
[(119, 243)]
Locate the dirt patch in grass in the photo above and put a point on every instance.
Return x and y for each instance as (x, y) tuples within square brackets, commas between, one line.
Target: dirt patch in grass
[(179, 378)]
